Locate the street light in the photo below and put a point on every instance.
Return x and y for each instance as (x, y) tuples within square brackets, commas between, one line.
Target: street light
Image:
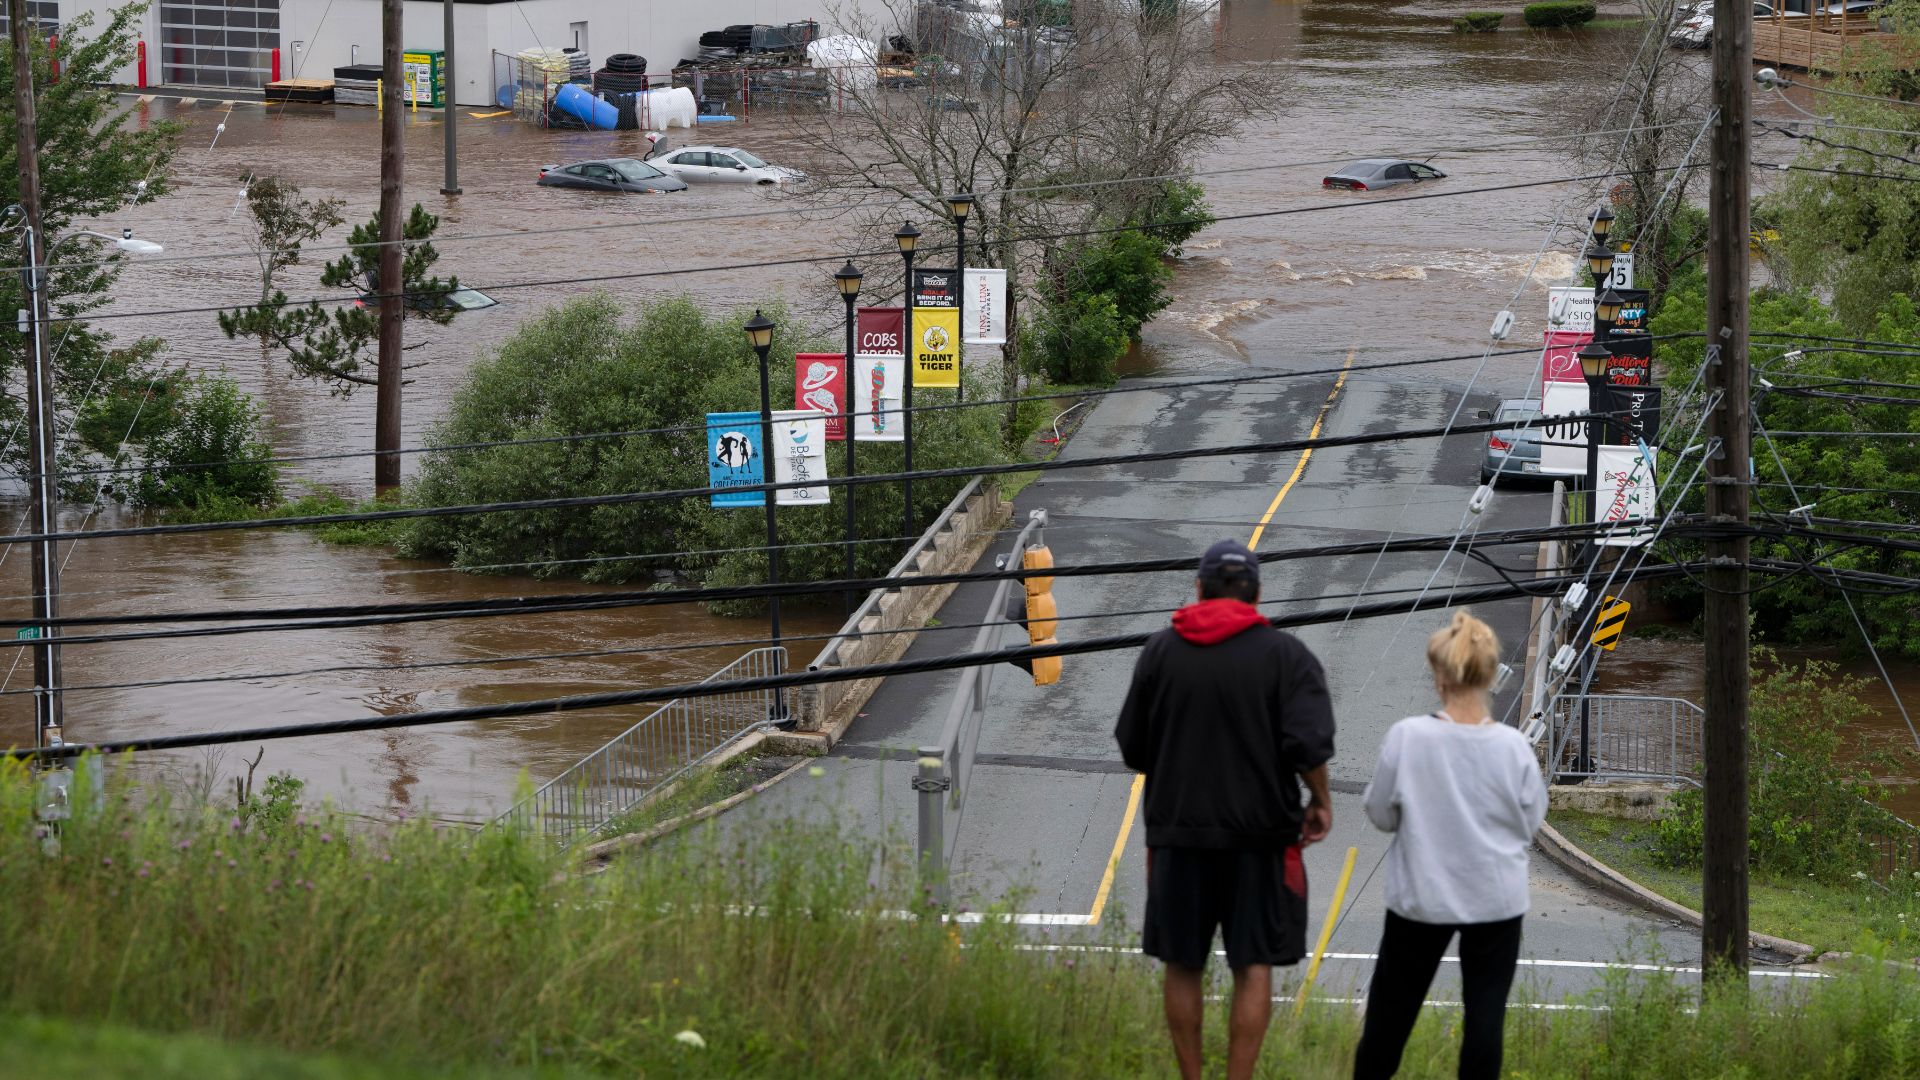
[(959, 206), (1600, 222), (1606, 307), (759, 331), (907, 237), (1593, 367), (848, 279), (1599, 262), (43, 454)]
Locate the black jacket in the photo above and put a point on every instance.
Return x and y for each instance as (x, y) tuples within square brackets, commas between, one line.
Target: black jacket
[(1222, 732)]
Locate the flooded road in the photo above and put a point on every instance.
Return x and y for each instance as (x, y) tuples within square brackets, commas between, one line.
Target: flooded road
[(1414, 279)]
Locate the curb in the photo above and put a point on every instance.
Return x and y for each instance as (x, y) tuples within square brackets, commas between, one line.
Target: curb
[(1598, 875), (601, 852)]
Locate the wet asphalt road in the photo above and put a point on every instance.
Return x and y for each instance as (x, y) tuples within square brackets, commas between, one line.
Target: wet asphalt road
[(1050, 800)]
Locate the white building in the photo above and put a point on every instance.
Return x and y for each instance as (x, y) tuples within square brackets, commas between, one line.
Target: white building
[(234, 43)]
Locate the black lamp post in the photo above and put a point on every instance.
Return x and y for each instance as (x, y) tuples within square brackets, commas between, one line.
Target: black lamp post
[(1593, 367), (760, 335), (848, 278), (907, 237), (959, 206)]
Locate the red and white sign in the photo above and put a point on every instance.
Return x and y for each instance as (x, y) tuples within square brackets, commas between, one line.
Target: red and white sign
[(878, 331), (820, 384), (983, 307), (1560, 360), (1626, 496)]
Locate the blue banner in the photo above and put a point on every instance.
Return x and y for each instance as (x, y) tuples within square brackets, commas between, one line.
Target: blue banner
[(733, 458)]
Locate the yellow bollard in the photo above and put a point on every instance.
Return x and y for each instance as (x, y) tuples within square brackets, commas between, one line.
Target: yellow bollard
[(1326, 931), (413, 92), (379, 95)]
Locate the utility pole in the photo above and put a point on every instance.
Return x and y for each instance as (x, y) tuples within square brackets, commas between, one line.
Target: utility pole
[(43, 439), (392, 291), (1723, 933), (451, 185)]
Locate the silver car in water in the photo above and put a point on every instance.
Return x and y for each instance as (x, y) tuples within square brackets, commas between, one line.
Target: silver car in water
[(1372, 174), (1514, 453)]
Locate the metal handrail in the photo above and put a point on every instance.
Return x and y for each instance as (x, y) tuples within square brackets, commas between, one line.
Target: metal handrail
[(850, 630), (1628, 737), (651, 754), (946, 768)]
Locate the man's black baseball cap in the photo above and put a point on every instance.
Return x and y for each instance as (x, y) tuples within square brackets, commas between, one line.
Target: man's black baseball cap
[(1229, 558)]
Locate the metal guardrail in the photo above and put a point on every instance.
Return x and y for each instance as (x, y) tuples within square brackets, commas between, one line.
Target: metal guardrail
[(1627, 736), (850, 630), (649, 755), (946, 769)]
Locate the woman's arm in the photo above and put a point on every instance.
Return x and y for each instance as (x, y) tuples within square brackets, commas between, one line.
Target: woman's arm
[(1382, 798)]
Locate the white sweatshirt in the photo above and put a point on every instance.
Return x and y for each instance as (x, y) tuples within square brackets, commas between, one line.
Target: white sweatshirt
[(1466, 801)]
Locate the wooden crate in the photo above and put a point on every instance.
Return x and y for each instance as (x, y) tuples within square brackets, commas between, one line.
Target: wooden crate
[(311, 91)]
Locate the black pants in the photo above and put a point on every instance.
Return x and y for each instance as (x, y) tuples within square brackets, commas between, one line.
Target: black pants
[(1409, 953)]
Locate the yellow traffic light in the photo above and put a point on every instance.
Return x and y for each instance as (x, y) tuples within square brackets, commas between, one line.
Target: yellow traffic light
[(1042, 613)]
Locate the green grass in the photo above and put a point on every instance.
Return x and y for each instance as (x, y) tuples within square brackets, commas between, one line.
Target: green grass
[(1033, 418), (1616, 24), (169, 937), (314, 503), (1826, 916)]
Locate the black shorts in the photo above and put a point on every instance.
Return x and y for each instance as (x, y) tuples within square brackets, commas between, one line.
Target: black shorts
[(1257, 899)]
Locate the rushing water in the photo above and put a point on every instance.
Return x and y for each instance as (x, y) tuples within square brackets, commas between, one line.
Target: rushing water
[(1411, 279)]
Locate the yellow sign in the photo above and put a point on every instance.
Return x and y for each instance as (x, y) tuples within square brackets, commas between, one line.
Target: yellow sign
[(936, 347), (1610, 623)]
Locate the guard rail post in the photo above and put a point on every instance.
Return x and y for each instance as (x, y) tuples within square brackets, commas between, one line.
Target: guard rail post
[(932, 784)]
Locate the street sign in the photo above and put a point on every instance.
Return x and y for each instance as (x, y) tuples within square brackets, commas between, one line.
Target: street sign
[(26, 633), (1611, 622), (733, 458), (1622, 275)]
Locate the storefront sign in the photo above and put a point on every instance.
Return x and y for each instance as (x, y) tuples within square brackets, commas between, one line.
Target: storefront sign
[(733, 458), (820, 384), (800, 454)]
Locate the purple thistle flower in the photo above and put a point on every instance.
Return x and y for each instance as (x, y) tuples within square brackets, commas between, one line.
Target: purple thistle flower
[(106, 860), (326, 838), (184, 845)]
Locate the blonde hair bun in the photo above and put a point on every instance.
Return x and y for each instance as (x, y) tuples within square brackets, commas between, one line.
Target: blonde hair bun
[(1464, 653)]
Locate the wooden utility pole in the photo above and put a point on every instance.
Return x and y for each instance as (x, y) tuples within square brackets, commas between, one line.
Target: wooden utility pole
[(1723, 934), (43, 436), (450, 185), (392, 291)]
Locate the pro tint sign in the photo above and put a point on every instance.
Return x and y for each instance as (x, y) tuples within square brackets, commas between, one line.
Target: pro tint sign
[(877, 331)]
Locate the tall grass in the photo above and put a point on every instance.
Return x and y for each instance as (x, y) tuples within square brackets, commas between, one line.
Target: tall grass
[(785, 950)]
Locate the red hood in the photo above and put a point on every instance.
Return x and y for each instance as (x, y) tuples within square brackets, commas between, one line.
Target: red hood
[(1211, 622)]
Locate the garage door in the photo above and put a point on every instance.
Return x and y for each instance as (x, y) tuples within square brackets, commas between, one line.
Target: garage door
[(211, 43)]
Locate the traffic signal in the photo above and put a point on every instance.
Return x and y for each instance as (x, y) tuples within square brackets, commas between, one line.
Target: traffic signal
[(1042, 613)]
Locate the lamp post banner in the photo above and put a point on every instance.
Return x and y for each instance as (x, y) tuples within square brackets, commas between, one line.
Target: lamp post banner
[(878, 378), (733, 458), (1626, 493), (1563, 445), (820, 384), (800, 453), (1570, 307), (934, 288), (877, 331), (1629, 334), (936, 348), (1559, 361), (983, 307), (1636, 415)]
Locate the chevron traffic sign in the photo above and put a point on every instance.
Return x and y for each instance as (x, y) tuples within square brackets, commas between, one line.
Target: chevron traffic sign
[(1610, 623)]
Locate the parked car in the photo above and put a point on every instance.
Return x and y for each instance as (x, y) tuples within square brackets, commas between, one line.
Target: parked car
[(1512, 453), (1696, 30), (724, 164), (1371, 174), (610, 174)]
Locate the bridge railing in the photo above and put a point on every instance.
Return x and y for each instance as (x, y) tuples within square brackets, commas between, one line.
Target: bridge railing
[(1626, 736)]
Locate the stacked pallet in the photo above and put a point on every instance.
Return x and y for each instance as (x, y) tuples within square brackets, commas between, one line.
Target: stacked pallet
[(304, 91), (357, 84), (542, 73)]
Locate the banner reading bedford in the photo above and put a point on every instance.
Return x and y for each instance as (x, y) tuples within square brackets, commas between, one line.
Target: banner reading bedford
[(983, 307), (733, 458), (800, 453), (876, 398), (820, 384)]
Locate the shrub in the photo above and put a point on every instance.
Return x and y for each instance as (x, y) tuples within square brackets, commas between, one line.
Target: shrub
[(213, 454), (1479, 22), (580, 369), (1810, 812), (1178, 214), (1081, 337), (1568, 13)]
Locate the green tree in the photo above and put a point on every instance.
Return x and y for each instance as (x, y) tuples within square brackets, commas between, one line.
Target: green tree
[(583, 368), (282, 221), (335, 342), (93, 163), (214, 455), (1080, 336)]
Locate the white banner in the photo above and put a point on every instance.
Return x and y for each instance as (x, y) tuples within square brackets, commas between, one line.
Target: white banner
[(800, 453), (983, 307), (1570, 308), (1563, 446), (1626, 494), (877, 376), (1622, 275)]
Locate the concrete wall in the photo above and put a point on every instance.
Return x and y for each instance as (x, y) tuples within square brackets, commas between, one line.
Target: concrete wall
[(659, 30)]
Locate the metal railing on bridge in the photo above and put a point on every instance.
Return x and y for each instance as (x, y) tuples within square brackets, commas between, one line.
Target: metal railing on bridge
[(1626, 736), (669, 741), (946, 769)]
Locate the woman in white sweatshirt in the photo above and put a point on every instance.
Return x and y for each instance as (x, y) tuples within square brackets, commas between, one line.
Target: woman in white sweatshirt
[(1465, 796)]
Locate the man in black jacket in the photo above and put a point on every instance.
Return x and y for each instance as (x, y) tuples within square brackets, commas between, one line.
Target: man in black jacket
[(1225, 716)]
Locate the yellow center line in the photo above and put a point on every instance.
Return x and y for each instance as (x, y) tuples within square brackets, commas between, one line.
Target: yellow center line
[(1140, 781)]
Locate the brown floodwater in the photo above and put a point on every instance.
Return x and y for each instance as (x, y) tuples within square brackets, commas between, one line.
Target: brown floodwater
[(1415, 279)]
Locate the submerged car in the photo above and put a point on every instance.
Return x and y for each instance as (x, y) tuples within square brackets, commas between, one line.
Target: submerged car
[(459, 297), (1696, 30), (610, 174), (1371, 174), (1513, 453), (724, 165)]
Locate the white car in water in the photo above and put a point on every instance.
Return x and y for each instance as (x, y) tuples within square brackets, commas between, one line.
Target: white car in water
[(722, 165)]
